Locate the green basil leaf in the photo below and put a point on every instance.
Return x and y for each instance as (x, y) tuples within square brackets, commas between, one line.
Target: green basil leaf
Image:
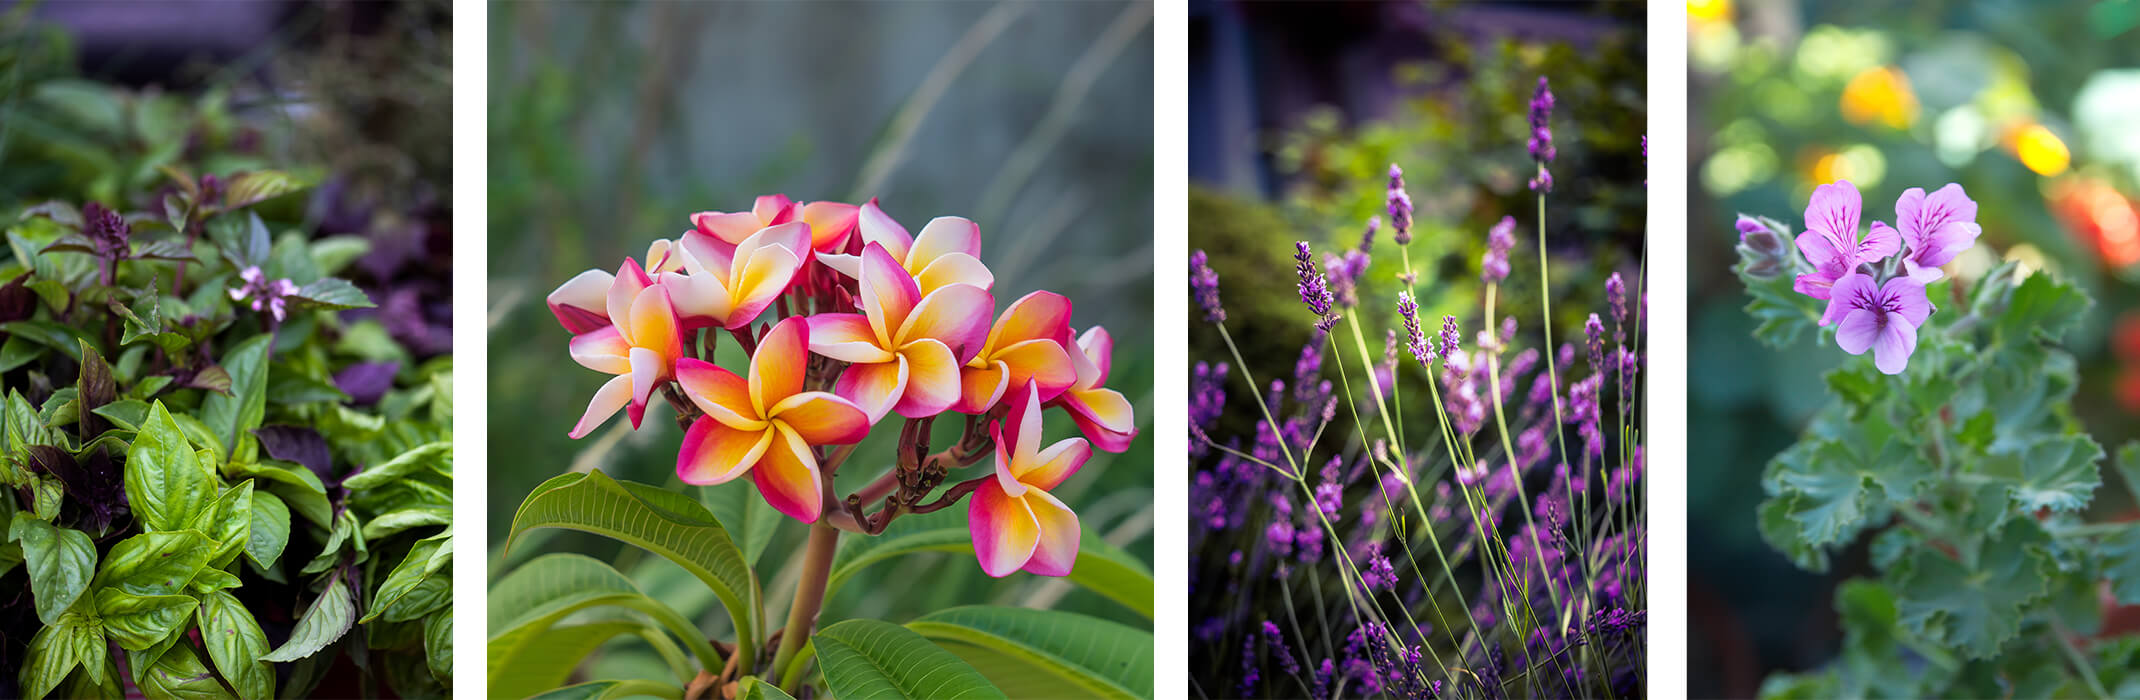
[(140, 621), (436, 455), (229, 522), (231, 417), (235, 643), (60, 561), (438, 644), (165, 482), (180, 675), (332, 293), (56, 650), (299, 489), (154, 563), (270, 530), (415, 587), (329, 617)]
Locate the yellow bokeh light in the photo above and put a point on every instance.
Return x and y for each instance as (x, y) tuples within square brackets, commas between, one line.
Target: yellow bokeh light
[(2039, 149), (1700, 12), (1880, 94)]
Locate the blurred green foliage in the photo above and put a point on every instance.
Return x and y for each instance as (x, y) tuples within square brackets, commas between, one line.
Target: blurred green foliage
[(611, 123)]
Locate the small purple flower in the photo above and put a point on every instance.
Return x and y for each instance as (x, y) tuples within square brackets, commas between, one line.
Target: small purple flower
[(1831, 239), (1616, 292), (1541, 144), (263, 294), (1279, 537), (1330, 498), (1204, 283), (1367, 238), (1881, 317), (106, 230), (1276, 640), (1493, 267), (1449, 338), (1344, 272), (1400, 207), (1415, 340), (1380, 575), (1314, 290), (1935, 228), (1595, 331)]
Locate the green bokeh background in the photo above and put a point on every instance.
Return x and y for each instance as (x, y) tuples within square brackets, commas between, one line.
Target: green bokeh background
[(610, 123)]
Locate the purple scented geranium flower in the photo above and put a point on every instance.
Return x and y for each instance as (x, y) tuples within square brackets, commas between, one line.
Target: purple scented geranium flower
[(1493, 267), (1831, 239), (1204, 283), (1935, 228), (1881, 317)]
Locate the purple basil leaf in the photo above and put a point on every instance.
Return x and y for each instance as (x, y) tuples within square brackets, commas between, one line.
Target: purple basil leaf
[(298, 444), (366, 382), (96, 488), (17, 302), (96, 389)]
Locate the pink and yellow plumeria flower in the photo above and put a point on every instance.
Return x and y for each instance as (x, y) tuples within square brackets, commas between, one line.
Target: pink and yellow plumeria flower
[(905, 347), (581, 304), (1025, 345), (1016, 523), (728, 285), (767, 424), (948, 251), (640, 346), (1100, 412), (830, 222)]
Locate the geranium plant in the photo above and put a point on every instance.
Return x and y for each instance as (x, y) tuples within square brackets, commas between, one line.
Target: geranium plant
[(1949, 446), (846, 326)]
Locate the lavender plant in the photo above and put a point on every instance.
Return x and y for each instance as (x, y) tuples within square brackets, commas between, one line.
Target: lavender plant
[(1951, 449), (1480, 551)]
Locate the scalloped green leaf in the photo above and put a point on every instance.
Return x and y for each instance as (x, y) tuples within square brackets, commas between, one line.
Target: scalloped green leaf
[(862, 659), (2041, 308), (2055, 472), (1045, 653), (1781, 315), (1975, 611)]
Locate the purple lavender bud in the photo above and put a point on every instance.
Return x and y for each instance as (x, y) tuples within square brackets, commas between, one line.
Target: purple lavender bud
[(1309, 542), (1543, 181), (1343, 273), (1204, 283), (1595, 330), (1279, 537), (1249, 672), (1415, 340), (1367, 238), (1449, 339), (1314, 290), (1329, 498), (1508, 332), (1279, 648), (1380, 575), (1493, 267), (1400, 207), (1541, 127), (1616, 292)]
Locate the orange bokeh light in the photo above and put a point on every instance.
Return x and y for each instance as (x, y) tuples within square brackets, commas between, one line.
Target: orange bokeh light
[(2101, 216), (1880, 94)]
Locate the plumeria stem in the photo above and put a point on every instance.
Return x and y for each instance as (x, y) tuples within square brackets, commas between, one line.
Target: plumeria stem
[(809, 597)]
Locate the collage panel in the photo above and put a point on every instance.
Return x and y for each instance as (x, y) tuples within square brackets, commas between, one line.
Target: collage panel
[(225, 351), (821, 350), (1415, 408), (1914, 295)]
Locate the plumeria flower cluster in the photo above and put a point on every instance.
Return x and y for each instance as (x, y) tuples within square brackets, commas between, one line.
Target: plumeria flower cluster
[(848, 320), (1872, 278)]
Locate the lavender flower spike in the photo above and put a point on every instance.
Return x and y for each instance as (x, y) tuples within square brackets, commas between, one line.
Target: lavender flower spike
[(1415, 340), (1204, 283), (1314, 291), (1493, 267), (1542, 136), (1449, 337), (1400, 206), (1616, 292)]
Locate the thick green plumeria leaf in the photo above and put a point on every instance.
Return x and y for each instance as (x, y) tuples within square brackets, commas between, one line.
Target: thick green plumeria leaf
[(154, 563), (749, 519), (1100, 567), (234, 415), (552, 587), (2049, 472), (877, 659), (329, 617), (2040, 308), (752, 688), (438, 644), (270, 529), (617, 690), (530, 661), (437, 455), (417, 586), (1783, 315), (1975, 611), (235, 643), (56, 650), (165, 482), (138, 622), (1045, 653), (180, 675), (60, 561), (660, 521)]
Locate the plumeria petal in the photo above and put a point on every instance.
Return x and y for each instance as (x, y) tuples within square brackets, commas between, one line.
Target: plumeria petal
[(847, 338), (1044, 363), (730, 227), (602, 350), (1858, 330), (942, 236), (649, 369), (957, 315), (581, 303), (624, 290), (1055, 551), (1043, 315), (1098, 347), (761, 282), (773, 209), (1022, 426), (1054, 464), (830, 223), (822, 418), (778, 366), (888, 294), (788, 477), (662, 256), (1103, 415), (612, 396), (714, 453), (932, 379), (793, 237), (873, 387), (981, 387), (701, 300), (653, 325), (720, 393), (707, 256), (954, 268), (1005, 532), (1896, 341)]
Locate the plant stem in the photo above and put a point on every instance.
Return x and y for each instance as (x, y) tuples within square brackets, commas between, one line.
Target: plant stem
[(809, 596)]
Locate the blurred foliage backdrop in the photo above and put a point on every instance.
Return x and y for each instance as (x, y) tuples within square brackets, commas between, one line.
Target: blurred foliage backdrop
[(1298, 109), (2029, 105), (610, 123)]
